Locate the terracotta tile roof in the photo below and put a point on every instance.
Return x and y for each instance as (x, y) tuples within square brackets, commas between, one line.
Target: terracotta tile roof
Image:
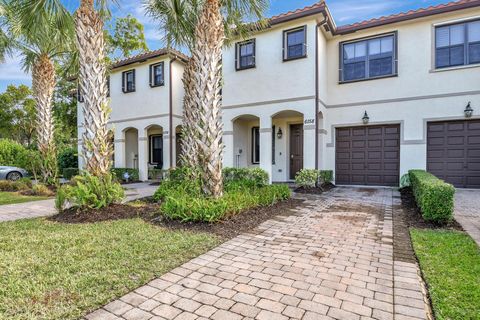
[(409, 15), (299, 13), (149, 55)]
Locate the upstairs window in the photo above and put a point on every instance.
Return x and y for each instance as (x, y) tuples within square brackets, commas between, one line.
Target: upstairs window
[(295, 43), (157, 75), (128, 81), (245, 55), (368, 59), (457, 44)]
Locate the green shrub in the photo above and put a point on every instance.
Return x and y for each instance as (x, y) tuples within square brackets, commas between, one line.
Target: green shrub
[(326, 176), (90, 192), (69, 173), (307, 178), (67, 158), (434, 197), (120, 174), (14, 154), (257, 175), (14, 186)]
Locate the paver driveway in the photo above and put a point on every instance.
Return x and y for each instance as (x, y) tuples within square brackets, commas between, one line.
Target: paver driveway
[(467, 211), (331, 259)]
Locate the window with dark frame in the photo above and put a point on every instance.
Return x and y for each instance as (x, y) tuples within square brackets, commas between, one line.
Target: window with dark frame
[(457, 44), (245, 55), (128, 81), (156, 150), (255, 145), (295, 43), (157, 77), (368, 58)]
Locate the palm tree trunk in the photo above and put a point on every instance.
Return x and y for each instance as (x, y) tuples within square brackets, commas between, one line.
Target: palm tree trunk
[(207, 59), (43, 84), (97, 148), (189, 133)]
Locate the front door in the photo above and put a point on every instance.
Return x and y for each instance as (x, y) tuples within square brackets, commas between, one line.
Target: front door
[(296, 149)]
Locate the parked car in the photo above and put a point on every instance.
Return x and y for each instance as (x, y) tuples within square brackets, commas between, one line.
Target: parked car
[(12, 173)]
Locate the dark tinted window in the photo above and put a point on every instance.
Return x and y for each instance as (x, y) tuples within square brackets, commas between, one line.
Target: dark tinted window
[(295, 43), (457, 44)]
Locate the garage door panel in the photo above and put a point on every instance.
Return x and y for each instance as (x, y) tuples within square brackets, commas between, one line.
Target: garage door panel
[(374, 155), (453, 152)]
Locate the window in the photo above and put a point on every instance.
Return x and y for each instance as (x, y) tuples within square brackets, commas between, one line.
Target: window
[(156, 150), (157, 75), (245, 55), (295, 43), (368, 59), (256, 145), (128, 81), (457, 44)]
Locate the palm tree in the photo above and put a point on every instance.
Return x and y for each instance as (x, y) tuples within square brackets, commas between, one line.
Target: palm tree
[(204, 27), (97, 148), (40, 47)]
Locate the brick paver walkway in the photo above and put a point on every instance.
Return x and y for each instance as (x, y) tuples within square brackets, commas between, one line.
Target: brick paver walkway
[(331, 259), (44, 208), (467, 211)]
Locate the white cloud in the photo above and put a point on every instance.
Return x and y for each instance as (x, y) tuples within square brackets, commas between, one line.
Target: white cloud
[(354, 10)]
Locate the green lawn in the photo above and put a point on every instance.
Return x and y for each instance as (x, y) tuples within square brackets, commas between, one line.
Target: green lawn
[(450, 262), (14, 197), (61, 271)]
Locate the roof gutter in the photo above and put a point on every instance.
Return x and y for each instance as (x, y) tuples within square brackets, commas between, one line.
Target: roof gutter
[(317, 83)]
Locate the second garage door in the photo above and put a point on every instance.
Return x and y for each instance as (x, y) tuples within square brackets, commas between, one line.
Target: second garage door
[(453, 152), (368, 155)]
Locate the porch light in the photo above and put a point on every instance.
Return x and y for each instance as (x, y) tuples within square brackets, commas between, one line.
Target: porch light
[(365, 118), (468, 110), (279, 133)]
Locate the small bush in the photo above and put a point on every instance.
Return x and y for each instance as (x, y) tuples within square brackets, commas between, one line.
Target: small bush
[(307, 178), (434, 197), (69, 173), (90, 192), (258, 176), (67, 158), (405, 181), (14, 154), (120, 174), (326, 176), (14, 186), (40, 190)]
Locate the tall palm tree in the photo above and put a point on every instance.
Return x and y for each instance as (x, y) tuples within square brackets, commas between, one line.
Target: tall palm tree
[(97, 148), (204, 27), (40, 47)]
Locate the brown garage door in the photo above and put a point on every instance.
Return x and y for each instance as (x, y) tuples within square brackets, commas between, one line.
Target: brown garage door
[(368, 155), (453, 152)]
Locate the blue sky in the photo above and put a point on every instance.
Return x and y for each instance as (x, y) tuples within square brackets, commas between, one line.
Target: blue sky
[(343, 11)]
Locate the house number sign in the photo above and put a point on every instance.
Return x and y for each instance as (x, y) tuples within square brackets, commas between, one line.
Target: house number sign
[(309, 121)]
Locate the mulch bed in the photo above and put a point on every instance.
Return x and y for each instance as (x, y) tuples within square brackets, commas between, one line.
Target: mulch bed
[(317, 190), (226, 229)]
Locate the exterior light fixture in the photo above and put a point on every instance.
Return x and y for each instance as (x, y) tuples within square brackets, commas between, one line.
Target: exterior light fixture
[(279, 133), (468, 110), (365, 118)]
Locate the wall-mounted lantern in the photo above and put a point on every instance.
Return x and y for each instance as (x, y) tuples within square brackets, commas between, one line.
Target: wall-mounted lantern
[(365, 118), (279, 133), (468, 111)]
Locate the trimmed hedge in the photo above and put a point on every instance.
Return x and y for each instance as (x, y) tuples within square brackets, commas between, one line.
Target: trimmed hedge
[(256, 175), (119, 174), (69, 173), (434, 197)]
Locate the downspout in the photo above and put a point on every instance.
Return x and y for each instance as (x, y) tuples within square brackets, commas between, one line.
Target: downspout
[(317, 82), (170, 106)]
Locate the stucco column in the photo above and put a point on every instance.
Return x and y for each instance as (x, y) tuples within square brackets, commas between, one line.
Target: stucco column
[(309, 146), (119, 149), (228, 151), (266, 145), (143, 158), (166, 150)]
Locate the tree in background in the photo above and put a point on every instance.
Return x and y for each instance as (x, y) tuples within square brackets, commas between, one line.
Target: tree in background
[(126, 37), (40, 47), (204, 26), (17, 115)]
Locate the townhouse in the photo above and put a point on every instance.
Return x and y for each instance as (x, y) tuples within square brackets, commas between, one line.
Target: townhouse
[(369, 100)]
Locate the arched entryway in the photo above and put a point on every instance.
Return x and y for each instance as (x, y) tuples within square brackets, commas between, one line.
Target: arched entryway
[(131, 148), (246, 141)]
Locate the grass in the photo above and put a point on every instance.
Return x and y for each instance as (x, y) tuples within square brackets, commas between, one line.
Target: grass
[(450, 262), (62, 271), (15, 197)]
